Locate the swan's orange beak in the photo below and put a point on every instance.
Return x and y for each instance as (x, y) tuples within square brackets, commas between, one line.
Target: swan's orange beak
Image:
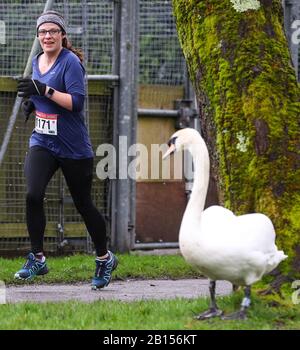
[(169, 151)]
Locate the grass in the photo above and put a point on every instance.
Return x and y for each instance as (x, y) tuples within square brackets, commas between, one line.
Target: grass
[(80, 268), (150, 315), (266, 313)]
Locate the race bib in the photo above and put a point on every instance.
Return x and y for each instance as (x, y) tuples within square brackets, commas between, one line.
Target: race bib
[(46, 123)]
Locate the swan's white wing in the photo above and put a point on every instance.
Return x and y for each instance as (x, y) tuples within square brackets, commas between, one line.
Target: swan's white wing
[(250, 232), (257, 232)]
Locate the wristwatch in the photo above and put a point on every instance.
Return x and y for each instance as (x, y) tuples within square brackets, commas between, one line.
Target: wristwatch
[(50, 92)]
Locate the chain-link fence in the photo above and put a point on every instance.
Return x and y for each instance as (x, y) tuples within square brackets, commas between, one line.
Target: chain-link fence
[(161, 62), (89, 26)]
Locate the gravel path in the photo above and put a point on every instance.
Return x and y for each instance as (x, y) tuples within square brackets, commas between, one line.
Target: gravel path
[(129, 290)]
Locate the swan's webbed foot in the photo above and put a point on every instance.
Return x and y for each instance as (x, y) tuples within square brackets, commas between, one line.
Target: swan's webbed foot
[(213, 311), (242, 313), (238, 315), (210, 313)]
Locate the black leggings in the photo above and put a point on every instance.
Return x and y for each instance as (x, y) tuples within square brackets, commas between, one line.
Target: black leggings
[(40, 166)]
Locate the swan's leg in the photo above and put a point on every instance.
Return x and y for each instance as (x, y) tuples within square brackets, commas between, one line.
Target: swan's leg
[(213, 310), (242, 313)]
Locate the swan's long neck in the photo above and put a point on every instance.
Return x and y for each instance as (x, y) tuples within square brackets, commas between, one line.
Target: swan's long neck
[(201, 177)]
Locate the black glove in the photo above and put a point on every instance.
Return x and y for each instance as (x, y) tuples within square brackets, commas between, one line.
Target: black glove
[(28, 87), (27, 108)]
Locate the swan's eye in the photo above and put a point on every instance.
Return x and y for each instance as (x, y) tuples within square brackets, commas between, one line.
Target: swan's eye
[(172, 141)]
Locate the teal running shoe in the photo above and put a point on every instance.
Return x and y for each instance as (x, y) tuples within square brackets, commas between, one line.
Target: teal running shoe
[(32, 267), (104, 269)]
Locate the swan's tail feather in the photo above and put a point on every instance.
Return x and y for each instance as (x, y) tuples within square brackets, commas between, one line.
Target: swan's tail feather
[(270, 262), (275, 259)]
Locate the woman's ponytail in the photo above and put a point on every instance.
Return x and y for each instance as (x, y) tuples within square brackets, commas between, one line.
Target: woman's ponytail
[(68, 45)]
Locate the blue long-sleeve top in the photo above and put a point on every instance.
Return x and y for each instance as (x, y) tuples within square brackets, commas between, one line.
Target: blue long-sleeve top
[(71, 139)]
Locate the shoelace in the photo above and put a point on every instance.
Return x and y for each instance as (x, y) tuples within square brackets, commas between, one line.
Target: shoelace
[(30, 263), (100, 268), (27, 263)]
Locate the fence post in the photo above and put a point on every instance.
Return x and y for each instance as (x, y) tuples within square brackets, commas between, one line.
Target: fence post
[(123, 208)]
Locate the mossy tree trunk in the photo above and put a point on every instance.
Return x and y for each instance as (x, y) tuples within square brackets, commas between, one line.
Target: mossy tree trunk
[(248, 96)]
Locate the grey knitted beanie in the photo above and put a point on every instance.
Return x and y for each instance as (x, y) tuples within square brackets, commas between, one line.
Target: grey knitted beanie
[(51, 17)]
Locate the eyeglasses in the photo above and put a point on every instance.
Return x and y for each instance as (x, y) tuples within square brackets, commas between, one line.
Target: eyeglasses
[(52, 32)]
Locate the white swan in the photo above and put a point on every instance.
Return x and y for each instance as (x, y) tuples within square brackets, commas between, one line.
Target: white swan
[(239, 249)]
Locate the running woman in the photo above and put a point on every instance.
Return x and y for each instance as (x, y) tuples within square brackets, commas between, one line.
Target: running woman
[(60, 139)]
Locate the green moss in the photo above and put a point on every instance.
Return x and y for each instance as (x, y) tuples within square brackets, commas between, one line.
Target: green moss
[(240, 66)]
